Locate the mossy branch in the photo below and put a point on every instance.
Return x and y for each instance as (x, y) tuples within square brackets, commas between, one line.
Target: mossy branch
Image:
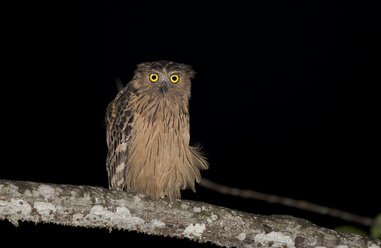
[(97, 207)]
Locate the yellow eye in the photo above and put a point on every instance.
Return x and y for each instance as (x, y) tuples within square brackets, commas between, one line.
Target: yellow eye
[(153, 77), (174, 78)]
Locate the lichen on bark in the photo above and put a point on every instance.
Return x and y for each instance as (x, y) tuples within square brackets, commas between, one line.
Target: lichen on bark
[(97, 207)]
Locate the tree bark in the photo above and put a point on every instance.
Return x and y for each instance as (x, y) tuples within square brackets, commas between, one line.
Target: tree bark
[(97, 207)]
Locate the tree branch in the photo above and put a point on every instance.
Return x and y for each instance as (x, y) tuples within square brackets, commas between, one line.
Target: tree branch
[(103, 208), (300, 204)]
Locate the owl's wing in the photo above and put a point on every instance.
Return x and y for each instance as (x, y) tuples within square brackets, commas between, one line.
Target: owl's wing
[(118, 133)]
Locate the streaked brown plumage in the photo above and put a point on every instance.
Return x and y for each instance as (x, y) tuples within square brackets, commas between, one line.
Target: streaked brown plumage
[(148, 133)]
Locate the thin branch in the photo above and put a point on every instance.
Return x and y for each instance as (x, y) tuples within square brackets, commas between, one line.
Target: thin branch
[(103, 208), (300, 204)]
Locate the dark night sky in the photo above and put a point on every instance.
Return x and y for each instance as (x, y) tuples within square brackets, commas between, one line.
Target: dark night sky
[(284, 100)]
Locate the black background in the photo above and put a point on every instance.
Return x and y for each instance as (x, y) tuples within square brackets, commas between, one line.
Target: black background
[(284, 101)]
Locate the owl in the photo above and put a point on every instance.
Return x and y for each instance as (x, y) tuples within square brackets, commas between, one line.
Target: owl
[(148, 133)]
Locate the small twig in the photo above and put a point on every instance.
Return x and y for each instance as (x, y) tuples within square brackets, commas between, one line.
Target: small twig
[(300, 204)]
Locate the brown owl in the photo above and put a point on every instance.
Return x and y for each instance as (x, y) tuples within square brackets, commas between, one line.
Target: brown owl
[(148, 133)]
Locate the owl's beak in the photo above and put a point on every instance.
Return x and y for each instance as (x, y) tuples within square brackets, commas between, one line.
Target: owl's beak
[(163, 89)]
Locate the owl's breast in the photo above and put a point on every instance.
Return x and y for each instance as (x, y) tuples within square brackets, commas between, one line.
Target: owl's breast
[(160, 140), (161, 123)]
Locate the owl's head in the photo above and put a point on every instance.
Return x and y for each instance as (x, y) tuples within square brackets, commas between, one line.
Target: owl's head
[(164, 78)]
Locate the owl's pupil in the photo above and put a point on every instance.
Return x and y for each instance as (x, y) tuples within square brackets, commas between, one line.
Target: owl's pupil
[(153, 77)]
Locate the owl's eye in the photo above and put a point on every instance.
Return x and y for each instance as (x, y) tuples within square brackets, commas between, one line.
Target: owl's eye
[(174, 78), (153, 77)]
